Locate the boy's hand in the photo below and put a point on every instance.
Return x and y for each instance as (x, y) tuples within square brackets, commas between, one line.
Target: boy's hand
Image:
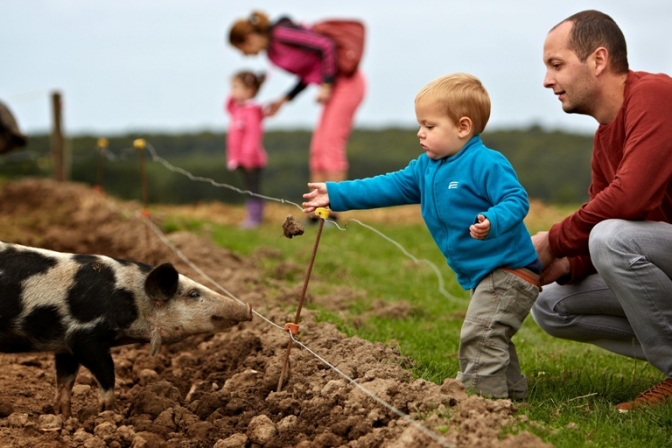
[(318, 197), (481, 229)]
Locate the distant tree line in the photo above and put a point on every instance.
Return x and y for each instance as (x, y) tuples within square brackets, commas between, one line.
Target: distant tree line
[(553, 166)]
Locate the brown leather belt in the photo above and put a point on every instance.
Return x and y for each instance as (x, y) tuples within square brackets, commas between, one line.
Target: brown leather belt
[(527, 275)]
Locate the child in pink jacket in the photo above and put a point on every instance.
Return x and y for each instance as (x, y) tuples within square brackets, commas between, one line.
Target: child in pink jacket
[(244, 150)]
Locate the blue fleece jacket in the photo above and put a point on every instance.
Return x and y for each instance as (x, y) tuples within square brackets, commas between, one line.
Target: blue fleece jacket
[(452, 192)]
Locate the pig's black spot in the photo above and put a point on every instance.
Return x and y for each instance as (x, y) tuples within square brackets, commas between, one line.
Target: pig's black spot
[(21, 264), (44, 324), (94, 295), (13, 343), (15, 267), (85, 259)]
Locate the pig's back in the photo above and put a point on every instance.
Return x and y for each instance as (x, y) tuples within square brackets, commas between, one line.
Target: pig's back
[(50, 298)]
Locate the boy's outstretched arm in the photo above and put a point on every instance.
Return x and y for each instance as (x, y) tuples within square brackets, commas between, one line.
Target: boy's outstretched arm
[(317, 197)]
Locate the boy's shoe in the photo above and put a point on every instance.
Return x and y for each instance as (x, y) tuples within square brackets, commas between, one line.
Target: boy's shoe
[(654, 396), (517, 390)]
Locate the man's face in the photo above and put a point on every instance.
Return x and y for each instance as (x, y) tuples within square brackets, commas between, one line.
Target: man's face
[(568, 77)]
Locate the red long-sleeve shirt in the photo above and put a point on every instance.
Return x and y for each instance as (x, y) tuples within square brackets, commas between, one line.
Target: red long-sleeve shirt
[(631, 170)]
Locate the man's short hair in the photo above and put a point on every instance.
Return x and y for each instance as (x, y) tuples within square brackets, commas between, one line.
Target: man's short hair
[(593, 29)]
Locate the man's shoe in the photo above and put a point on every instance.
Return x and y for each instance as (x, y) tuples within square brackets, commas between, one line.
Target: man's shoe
[(654, 396)]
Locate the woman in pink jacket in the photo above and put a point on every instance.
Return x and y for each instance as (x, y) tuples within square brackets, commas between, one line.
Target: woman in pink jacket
[(312, 57), (244, 149)]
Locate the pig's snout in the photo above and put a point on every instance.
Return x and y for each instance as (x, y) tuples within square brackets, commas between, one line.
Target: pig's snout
[(233, 314)]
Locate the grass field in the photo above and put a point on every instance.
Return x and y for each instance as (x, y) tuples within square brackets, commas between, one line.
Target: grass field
[(573, 386)]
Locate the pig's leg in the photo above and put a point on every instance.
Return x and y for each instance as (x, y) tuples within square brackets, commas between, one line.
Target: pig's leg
[(66, 372), (97, 358)]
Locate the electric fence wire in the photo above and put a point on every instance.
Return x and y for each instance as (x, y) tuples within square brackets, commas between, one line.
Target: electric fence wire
[(113, 156), (170, 167)]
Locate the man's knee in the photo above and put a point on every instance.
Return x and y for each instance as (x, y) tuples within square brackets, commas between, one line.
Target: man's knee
[(608, 241), (545, 315)]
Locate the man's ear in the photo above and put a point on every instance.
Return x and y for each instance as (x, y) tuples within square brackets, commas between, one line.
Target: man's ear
[(600, 59), (464, 126)]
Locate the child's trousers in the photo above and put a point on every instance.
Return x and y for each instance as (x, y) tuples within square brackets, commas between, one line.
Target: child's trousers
[(488, 360)]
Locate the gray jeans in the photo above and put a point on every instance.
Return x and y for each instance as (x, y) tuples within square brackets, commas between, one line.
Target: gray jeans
[(626, 307), (488, 360)]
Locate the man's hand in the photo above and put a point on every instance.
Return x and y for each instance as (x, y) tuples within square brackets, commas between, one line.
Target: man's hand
[(558, 268), (554, 268), (317, 197), (543, 248), (481, 229)]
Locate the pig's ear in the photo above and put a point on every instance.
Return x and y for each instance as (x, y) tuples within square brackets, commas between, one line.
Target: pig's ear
[(161, 283)]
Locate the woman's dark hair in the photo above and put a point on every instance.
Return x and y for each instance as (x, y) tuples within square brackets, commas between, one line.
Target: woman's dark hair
[(258, 22), (593, 29)]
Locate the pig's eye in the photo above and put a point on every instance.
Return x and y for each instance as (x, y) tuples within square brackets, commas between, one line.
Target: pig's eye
[(194, 294)]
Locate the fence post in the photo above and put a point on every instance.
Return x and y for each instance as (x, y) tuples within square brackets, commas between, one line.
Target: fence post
[(57, 146)]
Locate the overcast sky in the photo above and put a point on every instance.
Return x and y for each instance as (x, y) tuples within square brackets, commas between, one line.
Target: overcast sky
[(164, 65)]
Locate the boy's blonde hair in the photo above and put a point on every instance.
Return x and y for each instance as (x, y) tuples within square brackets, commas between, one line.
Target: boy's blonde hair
[(459, 95)]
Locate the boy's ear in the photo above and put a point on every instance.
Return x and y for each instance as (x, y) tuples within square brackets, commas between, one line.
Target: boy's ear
[(464, 126)]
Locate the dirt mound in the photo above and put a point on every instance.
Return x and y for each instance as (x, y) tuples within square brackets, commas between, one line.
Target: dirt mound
[(222, 390)]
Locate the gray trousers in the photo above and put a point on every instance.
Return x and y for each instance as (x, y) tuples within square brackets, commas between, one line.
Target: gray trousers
[(489, 363), (626, 307)]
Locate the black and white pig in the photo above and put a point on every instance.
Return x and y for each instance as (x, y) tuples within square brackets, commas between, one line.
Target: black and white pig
[(79, 306)]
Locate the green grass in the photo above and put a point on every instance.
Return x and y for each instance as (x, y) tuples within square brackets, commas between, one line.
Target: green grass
[(573, 386)]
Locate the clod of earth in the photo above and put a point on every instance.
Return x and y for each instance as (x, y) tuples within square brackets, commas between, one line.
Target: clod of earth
[(291, 227)]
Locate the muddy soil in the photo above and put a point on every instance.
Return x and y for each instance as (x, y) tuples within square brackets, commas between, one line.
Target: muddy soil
[(222, 390)]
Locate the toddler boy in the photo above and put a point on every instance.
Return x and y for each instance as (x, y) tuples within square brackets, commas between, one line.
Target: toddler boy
[(473, 206)]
